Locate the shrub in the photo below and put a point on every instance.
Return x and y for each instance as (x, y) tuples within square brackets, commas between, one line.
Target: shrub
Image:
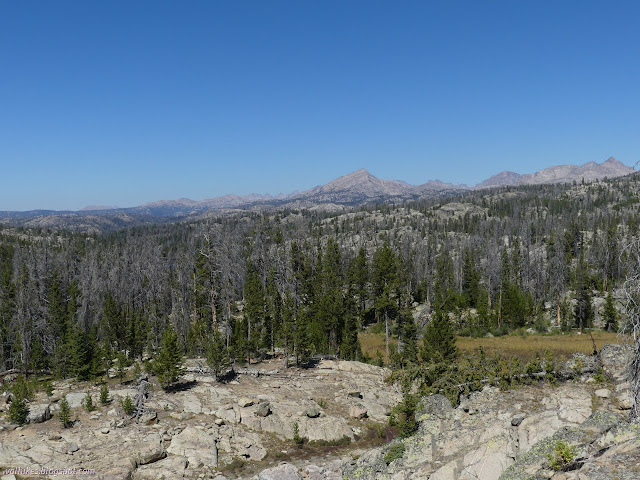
[(18, 410), (88, 403), (104, 395), (562, 455), (395, 452), (404, 415), (127, 405)]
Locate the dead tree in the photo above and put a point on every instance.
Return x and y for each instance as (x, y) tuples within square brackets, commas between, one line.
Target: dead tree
[(142, 392), (632, 324)]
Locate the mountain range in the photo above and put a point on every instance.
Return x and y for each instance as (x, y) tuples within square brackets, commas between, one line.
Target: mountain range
[(357, 188), (361, 187)]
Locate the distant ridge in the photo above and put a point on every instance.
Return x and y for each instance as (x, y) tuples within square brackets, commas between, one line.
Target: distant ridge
[(590, 171), (91, 208), (356, 188)]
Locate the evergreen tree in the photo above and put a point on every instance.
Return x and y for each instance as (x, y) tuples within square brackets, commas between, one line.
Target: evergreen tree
[(583, 311), (471, 289), (168, 361), (104, 395), (407, 339), (65, 413), (254, 311), (445, 295), (88, 403), (81, 354), (7, 303), (384, 280), (439, 340), (329, 312), (359, 279), (288, 326), (127, 406), (217, 354), (350, 345), (18, 410), (301, 338)]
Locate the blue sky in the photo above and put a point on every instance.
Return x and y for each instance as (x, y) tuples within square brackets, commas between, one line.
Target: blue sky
[(124, 102)]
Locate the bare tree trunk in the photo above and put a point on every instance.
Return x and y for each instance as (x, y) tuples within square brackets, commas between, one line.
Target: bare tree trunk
[(386, 337), (500, 307), (632, 325)]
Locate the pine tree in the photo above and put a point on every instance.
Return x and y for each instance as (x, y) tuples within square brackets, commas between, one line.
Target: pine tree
[(127, 406), (384, 279), (359, 279), (350, 346), (65, 413), (81, 352), (287, 330), (329, 312), (88, 403), (168, 361), (302, 344), (217, 354), (407, 339), (18, 410), (104, 395), (254, 311), (439, 341)]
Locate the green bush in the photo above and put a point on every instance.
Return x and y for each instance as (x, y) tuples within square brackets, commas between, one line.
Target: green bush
[(395, 452), (104, 395), (88, 403), (127, 405), (18, 410), (562, 455), (403, 415)]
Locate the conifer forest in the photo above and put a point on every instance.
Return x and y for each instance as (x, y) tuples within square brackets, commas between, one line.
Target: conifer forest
[(238, 286)]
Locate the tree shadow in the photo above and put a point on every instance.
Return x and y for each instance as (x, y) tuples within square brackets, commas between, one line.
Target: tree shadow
[(181, 386)]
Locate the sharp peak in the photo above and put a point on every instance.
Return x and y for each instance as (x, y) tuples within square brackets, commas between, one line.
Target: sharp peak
[(360, 171)]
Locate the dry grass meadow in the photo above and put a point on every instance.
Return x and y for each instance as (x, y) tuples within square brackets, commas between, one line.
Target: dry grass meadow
[(523, 346)]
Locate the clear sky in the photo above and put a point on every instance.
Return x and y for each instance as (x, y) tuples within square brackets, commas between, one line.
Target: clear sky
[(124, 102)]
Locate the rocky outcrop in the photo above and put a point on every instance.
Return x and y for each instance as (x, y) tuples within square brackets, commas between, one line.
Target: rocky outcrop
[(284, 471), (39, 413), (480, 439), (197, 445)]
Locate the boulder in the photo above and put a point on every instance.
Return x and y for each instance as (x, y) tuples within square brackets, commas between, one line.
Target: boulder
[(150, 450), (517, 419), (198, 446), (357, 411), (39, 413), (166, 469), (245, 402), (312, 412), (75, 399), (191, 404), (263, 409), (437, 405), (603, 393), (616, 359), (148, 417), (284, 471)]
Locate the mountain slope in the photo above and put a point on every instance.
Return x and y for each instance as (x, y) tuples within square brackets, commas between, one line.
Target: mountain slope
[(590, 171)]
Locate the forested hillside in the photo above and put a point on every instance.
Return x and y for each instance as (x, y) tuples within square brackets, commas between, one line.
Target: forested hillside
[(305, 282)]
